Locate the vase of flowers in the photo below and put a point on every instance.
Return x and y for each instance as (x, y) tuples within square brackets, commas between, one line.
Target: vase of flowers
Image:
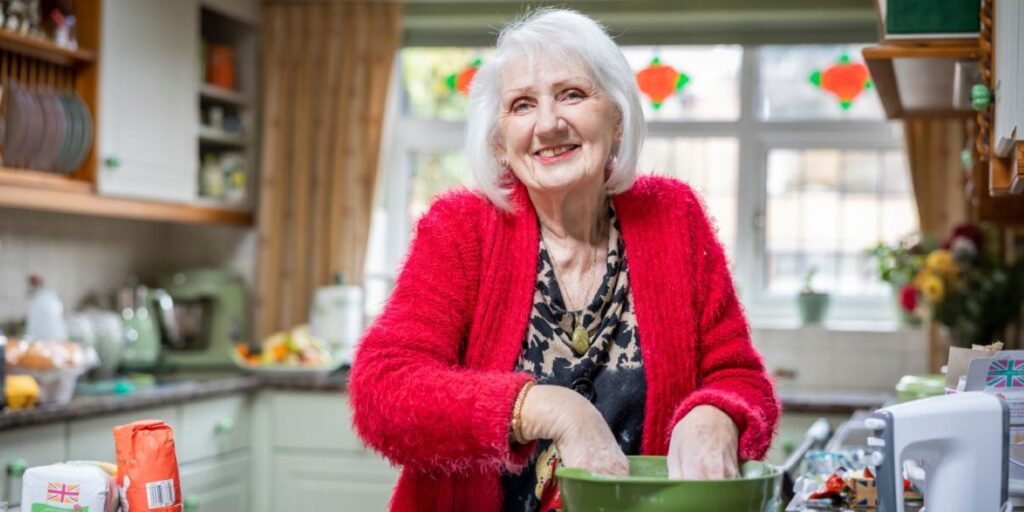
[(967, 288), (897, 265)]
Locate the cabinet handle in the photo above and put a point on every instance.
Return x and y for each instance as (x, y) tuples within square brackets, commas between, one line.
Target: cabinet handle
[(16, 468), (112, 162), (191, 504), (224, 426), (981, 96)]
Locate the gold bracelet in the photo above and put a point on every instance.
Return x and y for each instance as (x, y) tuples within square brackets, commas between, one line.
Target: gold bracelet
[(517, 414)]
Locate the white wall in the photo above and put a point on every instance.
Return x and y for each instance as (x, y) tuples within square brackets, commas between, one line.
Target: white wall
[(823, 359), (77, 255)]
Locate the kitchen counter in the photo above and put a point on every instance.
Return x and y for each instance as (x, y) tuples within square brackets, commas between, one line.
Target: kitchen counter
[(190, 387), (831, 402)]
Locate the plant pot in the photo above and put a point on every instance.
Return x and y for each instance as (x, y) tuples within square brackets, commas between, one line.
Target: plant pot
[(813, 306)]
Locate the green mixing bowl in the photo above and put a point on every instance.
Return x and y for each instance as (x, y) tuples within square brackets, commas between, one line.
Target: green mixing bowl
[(648, 489)]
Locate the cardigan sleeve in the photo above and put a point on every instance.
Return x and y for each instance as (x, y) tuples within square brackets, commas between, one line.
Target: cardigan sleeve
[(731, 374), (411, 399)]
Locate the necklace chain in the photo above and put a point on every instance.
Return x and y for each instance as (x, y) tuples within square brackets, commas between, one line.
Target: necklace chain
[(565, 292)]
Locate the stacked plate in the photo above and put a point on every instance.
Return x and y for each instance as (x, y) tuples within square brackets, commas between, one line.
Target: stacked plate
[(44, 129)]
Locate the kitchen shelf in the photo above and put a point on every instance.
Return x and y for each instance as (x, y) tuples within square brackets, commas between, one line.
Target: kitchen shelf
[(916, 80), (42, 180), (44, 49), (215, 93), (31, 190), (220, 137)]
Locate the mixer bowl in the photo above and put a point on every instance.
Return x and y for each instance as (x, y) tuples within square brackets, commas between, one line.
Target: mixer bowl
[(648, 489)]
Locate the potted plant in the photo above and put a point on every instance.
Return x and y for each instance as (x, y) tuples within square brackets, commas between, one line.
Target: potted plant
[(813, 304)]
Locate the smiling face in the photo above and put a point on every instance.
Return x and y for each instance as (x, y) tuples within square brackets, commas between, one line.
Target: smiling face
[(556, 128)]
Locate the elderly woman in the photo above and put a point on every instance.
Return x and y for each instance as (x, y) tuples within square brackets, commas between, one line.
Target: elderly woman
[(567, 312)]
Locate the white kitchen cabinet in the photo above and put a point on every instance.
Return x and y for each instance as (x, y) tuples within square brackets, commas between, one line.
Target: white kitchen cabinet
[(93, 438), (149, 70), (217, 485), (1007, 75), (338, 482), (213, 427), (316, 459)]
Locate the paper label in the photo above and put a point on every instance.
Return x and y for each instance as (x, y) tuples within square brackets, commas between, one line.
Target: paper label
[(160, 493)]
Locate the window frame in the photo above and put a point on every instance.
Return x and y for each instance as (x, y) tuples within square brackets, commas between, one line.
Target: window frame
[(755, 138)]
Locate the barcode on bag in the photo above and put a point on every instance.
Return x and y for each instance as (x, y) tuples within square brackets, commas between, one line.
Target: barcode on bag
[(160, 494)]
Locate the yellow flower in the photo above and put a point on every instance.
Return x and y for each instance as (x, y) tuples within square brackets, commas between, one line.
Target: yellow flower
[(941, 262), (932, 287)]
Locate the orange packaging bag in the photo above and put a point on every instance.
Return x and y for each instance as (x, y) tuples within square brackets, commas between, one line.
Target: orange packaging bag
[(147, 467)]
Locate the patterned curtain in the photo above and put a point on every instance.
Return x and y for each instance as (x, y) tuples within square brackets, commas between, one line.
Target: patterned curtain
[(326, 68)]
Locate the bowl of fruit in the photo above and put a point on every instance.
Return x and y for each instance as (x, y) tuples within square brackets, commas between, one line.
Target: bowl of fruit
[(291, 352)]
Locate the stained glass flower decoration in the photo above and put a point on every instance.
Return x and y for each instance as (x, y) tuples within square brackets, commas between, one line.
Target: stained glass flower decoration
[(460, 80), (659, 81), (845, 80)]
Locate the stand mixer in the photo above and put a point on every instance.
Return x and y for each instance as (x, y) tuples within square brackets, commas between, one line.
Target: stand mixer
[(960, 441)]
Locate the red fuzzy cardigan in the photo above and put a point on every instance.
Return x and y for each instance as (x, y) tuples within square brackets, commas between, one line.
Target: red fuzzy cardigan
[(432, 386)]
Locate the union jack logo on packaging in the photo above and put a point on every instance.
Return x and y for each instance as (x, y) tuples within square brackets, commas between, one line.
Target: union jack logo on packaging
[(1005, 373), (59, 492)]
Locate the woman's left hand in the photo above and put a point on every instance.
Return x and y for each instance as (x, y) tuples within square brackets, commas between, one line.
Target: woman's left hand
[(703, 446)]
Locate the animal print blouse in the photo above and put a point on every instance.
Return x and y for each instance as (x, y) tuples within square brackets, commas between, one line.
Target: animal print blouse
[(609, 372)]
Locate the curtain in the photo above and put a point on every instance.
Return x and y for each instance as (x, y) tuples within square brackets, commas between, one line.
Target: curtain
[(933, 150), (326, 68)]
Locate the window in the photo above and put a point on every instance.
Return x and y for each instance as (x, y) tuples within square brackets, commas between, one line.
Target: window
[(787, 146)]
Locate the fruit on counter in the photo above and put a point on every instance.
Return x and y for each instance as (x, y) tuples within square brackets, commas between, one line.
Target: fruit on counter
[(22, 391), (43, 355), (295, 347)]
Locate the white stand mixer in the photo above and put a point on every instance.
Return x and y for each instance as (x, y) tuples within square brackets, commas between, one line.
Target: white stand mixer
[(961, 443)]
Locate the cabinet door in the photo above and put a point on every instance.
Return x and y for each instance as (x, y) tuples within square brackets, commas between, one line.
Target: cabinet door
[(1008, 18), (213, 427), (148, 107), (35, 446), (93, 438), (217, 485), (350, 482)]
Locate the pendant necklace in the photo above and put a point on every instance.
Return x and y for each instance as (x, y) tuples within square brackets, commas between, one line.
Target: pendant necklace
[(580, 340)]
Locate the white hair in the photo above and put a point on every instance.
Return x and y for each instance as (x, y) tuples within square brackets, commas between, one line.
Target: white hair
[(559, 33)]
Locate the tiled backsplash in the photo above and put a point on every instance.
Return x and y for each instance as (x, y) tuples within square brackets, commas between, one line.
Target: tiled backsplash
[(78, 255), (823, 359)]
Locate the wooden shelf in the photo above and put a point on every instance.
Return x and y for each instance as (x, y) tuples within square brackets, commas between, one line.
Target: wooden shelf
[(916, 79), (44, 49), (215, 93), (31, 190)]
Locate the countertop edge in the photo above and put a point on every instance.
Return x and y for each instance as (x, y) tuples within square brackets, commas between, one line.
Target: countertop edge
[(793, 401)]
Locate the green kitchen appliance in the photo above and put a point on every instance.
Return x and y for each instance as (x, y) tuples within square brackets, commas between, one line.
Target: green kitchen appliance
[(648, 489), (211, 310)]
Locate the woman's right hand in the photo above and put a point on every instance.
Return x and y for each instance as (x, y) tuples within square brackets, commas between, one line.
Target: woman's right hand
[(577, 428)]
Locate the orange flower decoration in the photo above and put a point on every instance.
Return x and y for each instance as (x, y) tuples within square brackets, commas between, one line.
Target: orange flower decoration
[(659, 81)]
